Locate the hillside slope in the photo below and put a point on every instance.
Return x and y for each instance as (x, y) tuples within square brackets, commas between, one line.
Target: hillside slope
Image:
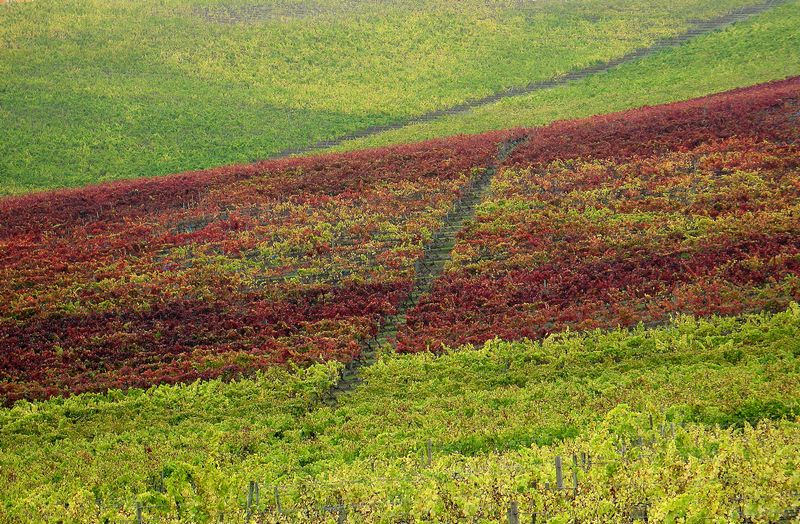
[(628, 218), (111, 89), (266, 281), (763, 48), (611, 220), (495, 418)]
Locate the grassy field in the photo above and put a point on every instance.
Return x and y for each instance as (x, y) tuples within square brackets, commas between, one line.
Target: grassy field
[(110, 89), (495, 415), (764, 48)]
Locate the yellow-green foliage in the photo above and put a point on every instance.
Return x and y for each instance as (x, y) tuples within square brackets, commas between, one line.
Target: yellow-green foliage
[(764, 48), (107, 89), (496, 417)]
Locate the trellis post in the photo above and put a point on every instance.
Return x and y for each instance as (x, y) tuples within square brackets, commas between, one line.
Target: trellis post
[(513, 513), (559, 474)]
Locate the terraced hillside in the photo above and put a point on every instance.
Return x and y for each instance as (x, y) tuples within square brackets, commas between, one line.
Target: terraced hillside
[(592, 238), (112, 89)]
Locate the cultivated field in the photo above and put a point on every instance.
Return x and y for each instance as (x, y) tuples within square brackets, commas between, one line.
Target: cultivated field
[(112, 89), (633, 219), (762, 48), (211, 274), (577, 300)]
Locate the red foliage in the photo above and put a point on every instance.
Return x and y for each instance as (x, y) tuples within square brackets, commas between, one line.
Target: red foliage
[(629, 218), (216, 273), (607, 221), (759, 112)]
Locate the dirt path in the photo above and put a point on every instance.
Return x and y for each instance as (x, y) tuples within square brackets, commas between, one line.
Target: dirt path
[(436, 254), (700, 28)]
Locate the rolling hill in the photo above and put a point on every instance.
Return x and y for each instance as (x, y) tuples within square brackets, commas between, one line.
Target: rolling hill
[(760, 49), (595, 319), (109, 89)]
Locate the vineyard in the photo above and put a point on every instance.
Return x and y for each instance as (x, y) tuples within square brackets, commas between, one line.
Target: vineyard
[(111, 89), (212, 274), (689, 421), (731, 56), (595, 320), (628, 219)]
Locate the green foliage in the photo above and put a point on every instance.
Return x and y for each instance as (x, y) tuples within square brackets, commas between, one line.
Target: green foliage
[(108, 89), (764, 48), (750, 412), (496, 416)]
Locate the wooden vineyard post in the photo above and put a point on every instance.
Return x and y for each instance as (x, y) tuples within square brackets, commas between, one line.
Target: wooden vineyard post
[(575, 474), (250, 494), (138, 513), (342, 513), (640, 512), (278, 500), (559, 474), (513, 513)]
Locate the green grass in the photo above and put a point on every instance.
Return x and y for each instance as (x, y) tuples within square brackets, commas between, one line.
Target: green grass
[(109, 89), (503, 404), (764, 48)]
